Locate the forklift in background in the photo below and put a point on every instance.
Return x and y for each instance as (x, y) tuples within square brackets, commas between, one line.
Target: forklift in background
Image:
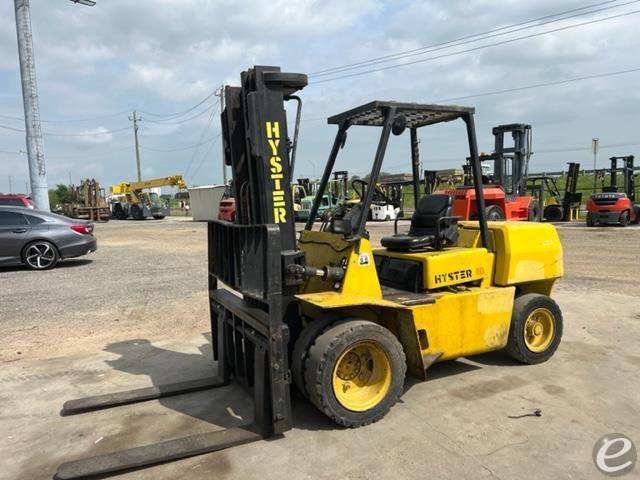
[(504, 186), (88, 202), (344, 322), (612, 206), (557, 207)]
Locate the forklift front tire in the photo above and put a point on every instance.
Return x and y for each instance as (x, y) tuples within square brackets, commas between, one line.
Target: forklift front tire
[(624, 218), (355, 372), (494, 213), (590, 222), (536, 329), (301, 348)]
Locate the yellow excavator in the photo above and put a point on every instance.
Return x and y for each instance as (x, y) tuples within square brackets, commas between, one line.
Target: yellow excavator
[(129, 199)]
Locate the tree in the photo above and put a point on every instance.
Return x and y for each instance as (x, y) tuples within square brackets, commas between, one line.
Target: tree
[(59, 195)]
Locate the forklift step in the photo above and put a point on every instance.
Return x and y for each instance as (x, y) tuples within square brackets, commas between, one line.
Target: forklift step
[(117, 462), (98, 402)]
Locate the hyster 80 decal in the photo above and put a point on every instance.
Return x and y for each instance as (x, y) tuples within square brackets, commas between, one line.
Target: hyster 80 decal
[(453, 276), (275, 167)]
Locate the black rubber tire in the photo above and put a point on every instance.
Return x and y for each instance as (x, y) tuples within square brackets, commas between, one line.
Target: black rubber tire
[(54, 262), (534, 212), (553, 213), (301, 348), (136, 212), (590, 222), (624, 218), (158, 217), (118, 212), (320, 363), (522, 307), (494, 213)]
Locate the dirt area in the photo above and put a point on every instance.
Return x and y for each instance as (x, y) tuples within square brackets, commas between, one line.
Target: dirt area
[(135, 313)]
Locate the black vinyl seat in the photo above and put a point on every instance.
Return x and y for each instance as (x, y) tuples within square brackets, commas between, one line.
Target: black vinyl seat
[(432, 226)]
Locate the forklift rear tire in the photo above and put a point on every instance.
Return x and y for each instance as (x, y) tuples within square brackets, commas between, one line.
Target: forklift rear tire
[(301, 348), (553, 213), (494, 213), (354, 372), (536, 328), (590, 222)]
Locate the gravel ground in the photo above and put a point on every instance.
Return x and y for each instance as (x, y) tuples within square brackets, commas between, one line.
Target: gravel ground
[(148, 280)]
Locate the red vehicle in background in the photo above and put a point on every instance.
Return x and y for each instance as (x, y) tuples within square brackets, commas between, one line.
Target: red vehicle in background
[(504, 188), (613, 207), (227, 209), (16, 200)]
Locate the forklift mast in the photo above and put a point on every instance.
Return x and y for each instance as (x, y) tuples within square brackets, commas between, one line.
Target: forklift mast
[(256, 147), (628, 177), (511, 164), (430, 181)]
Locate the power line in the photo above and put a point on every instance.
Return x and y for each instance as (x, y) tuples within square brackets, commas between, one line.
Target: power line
[(200, 140), (450, 43), (182, 112), (201, 162), (503, 42), (53, 134), (76, 120), (197, 115), (189, 147), (539, 85), (516, 89)]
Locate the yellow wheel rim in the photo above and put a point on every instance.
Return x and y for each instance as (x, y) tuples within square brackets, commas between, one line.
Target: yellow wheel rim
[(539, 330), (362, 376)]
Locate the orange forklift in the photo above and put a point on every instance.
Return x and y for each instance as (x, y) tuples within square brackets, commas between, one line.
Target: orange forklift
[(504, 186), (612, 206)]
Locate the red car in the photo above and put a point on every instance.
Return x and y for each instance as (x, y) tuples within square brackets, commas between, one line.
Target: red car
[(227, 209), (16, 200), (610, 208)]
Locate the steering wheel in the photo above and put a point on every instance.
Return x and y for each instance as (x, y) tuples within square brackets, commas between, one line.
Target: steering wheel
[(360, 186)]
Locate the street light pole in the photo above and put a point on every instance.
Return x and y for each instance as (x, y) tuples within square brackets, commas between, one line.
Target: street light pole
[(33, 128), (35, 147)]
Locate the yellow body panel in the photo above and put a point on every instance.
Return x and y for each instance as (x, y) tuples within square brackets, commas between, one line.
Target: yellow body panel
[(449, 267), (465, 323), (525, 251), (323, 248)]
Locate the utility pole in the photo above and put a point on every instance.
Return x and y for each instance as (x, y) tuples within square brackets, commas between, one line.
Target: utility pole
[(220, 93), (10, 185), (135, 120), (35, 147), (595, 144), (70, 183)]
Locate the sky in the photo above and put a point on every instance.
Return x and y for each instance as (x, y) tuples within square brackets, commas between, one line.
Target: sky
[(95, 65)]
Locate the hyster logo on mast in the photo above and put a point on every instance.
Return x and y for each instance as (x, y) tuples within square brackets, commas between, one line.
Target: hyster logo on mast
[(275, 162)]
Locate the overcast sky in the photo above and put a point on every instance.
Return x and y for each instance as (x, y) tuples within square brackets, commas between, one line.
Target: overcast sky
[(164, 56)]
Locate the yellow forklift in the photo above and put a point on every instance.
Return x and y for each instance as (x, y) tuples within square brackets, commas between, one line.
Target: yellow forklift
[(323, 309)]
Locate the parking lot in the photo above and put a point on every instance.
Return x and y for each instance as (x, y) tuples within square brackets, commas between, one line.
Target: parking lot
[(135, 313)]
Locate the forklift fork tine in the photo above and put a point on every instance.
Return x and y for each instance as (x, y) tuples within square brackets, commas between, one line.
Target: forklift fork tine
[(155, 453), (98, 402)]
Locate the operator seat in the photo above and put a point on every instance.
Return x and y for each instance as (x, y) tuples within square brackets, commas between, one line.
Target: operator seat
[(432, 226)]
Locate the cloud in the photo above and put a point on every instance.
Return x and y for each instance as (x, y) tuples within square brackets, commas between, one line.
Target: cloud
[(94, 136)]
